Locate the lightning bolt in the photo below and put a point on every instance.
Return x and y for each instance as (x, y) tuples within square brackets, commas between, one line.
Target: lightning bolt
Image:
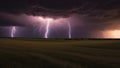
[(49, 21), (47, 27), (69, 30), (13, 31)]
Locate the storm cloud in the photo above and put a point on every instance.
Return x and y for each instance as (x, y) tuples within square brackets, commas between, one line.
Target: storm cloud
[(87, 16), (92, 8)]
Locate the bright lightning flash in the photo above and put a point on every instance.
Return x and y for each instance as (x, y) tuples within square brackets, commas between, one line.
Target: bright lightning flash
[(47, 27), (69, 31), (13, 31), (49, 21), (46, 21)]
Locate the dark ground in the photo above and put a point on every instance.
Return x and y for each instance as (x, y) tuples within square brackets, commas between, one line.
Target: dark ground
[(42, 53)]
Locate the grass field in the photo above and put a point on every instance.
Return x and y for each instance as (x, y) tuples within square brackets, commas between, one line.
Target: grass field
[(37, 53)]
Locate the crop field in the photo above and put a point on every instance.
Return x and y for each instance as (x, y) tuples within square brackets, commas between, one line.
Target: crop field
[(60, 53)]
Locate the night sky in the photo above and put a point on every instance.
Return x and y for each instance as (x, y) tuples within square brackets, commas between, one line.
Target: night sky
[(87, 18)]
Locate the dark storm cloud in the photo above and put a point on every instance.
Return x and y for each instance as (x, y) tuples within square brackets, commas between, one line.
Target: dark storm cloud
[(5, 21), (93, 8), (96, 15)]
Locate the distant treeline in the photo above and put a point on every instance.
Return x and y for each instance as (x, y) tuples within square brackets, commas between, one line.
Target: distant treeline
[(61, 38)]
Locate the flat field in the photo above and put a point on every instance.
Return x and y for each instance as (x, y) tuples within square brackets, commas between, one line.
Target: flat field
[(59, 53)]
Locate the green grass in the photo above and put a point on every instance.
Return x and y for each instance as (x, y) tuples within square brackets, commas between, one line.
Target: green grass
[(42, 53)]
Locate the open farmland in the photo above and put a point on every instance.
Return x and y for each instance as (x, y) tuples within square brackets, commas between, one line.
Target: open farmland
[(41, 53)]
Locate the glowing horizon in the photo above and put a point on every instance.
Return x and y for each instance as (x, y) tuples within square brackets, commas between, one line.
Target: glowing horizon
[(111, 34)]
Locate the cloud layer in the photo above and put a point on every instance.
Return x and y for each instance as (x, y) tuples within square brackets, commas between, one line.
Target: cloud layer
[(88, 16), (94, 8)]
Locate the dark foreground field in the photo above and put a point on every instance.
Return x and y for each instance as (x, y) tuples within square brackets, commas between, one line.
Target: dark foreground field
[(36, 53)]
